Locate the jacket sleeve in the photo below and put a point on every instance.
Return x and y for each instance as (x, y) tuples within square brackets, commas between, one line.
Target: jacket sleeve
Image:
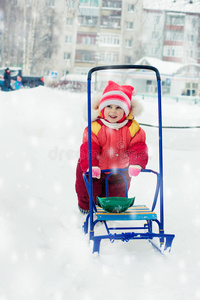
[(84, 152), (138, 150)]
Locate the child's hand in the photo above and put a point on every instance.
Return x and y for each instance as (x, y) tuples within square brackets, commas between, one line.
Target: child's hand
[(96, 172), (134, 170)]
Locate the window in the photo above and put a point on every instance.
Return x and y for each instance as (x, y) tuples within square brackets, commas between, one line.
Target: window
[(111, 4), (175, 20), (71, 4), (151, 86), (115, 57), (166, 86), (85, 56), (191, 89), (89, 3), (157, 19), (86, 39), (51, 3), (109, 58), (110, 22), (129, 25), (69, 21), (131, 7), (194, 23), (190, 53), (68, 39), (127, 59), (149, 82), (154, 51), (174, 35), (190, 38), (47, 54), (155, 34), (128, 43), (50, 20), (109, 40), (87, 21), (174, 51), (195, 85), (67, 55)]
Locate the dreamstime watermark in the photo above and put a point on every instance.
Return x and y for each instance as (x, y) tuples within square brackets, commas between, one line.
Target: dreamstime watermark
[(59, 153)]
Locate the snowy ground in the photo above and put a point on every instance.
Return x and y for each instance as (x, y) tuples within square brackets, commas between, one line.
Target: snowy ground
[(43, 253)]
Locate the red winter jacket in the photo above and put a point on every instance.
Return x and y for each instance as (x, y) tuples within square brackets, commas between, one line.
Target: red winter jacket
[(115, 148)]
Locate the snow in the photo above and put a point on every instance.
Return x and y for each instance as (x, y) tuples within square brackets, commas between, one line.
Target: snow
[(180, 6), (44, 254), (164, 67)]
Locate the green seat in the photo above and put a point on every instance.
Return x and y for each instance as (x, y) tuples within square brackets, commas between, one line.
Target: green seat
[(115, 204)]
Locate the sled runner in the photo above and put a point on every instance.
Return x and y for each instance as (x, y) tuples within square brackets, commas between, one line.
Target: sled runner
[(119, 209)]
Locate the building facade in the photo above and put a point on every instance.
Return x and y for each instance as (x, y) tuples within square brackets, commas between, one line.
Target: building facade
[(172, 30), (107, 33), (71, 36)]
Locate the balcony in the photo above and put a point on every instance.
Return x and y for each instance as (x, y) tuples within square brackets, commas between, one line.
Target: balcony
[(110, 22), (88, 11), (117, 5), (87, 21), (85, 56), (86, 39)]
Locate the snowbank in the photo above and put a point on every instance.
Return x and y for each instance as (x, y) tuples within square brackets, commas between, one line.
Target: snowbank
[(43, 252)]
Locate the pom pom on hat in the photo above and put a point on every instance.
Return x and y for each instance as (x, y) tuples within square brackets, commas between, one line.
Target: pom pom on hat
[(115, 94)]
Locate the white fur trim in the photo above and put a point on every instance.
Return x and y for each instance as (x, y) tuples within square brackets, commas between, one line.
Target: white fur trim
[(94, 109), (136, 108)]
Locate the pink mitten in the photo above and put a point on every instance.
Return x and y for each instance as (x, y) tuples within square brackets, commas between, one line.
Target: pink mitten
[(134, 170), (96, 172)]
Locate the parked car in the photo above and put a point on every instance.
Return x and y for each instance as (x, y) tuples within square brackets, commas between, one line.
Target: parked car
[(27, 81)]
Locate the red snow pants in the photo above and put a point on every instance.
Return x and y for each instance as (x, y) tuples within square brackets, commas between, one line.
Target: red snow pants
[(116, 187)]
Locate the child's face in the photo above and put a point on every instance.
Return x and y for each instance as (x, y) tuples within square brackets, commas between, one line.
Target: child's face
[(113, 113)]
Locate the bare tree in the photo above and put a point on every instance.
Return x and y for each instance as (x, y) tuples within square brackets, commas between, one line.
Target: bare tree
[(12, 34), (40, 40), (28, 35)]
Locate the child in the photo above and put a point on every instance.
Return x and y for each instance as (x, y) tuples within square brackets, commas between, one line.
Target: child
[(18, 83), (117, 142)]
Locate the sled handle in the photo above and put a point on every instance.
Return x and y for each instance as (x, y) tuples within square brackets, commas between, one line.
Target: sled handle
[(141, 67), (114, 67)]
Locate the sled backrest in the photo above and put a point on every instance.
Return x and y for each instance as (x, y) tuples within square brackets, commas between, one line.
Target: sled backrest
[(115, 67)]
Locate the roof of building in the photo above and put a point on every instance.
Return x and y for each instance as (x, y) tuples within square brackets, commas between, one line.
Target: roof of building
[(181, 6), (164, 67), (170, 68)]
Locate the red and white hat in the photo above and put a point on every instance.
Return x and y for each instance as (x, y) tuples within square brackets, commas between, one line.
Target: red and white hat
[(115, 94)]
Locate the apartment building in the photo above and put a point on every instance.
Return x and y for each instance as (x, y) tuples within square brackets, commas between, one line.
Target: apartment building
[(72, 36), (107, 33), (101, 32), (172, 30)]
